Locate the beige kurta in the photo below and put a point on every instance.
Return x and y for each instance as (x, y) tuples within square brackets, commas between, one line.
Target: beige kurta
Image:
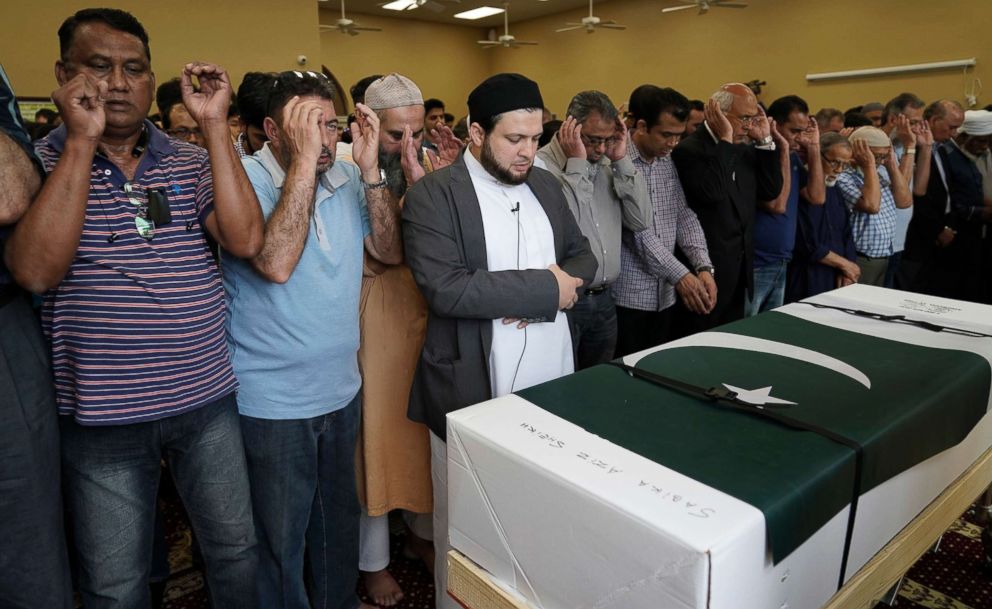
[(393, 460)]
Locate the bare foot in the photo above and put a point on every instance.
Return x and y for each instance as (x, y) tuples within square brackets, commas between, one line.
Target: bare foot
[(382, 588), (423, 549)]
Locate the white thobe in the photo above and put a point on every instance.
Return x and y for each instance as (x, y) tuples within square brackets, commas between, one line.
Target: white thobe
[(518, 240)]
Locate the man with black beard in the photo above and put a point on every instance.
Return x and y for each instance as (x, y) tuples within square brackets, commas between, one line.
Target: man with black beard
[(499, 258)]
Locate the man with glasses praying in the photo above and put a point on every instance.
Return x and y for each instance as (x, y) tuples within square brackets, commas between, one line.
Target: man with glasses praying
[(727, 166), (134, 311), (824, 255), (293, 329), (605, 193), (873, 202)]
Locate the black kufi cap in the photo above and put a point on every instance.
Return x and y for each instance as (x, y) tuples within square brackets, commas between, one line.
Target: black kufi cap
[(503, 93)]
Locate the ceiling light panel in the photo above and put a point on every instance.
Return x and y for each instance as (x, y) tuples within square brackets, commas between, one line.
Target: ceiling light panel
[(479, 13), (399, 5)]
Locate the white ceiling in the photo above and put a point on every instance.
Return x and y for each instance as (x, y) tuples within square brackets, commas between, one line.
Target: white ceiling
[(520, 10)]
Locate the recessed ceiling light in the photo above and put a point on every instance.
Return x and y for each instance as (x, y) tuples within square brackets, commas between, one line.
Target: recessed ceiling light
[(398, 5), (479, 13)]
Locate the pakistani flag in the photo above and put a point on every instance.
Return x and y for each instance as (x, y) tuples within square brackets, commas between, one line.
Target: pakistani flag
[(901, 402)]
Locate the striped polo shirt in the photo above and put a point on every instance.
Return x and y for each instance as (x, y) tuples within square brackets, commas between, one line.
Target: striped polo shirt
[(137, 326)]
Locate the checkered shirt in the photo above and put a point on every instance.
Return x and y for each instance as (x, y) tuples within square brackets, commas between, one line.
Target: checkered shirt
[(649, 269), (872, 232)]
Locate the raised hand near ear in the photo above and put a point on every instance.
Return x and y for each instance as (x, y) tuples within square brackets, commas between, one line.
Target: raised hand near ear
[(413, 170), (211, 103), (448, 146), (570, 139), (760, 128), (718, 122), (618, 149), (365, 142), (81, 103)]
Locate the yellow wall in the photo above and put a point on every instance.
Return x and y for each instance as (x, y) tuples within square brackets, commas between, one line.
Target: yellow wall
[(778, 41), (775, 40), (240, 35), (442, 59)]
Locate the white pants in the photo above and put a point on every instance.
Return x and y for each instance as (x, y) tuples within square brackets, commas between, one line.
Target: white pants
[(374, 537), (439, 476)]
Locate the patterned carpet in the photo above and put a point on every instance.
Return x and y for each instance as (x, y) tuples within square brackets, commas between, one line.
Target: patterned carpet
[(953, 577)]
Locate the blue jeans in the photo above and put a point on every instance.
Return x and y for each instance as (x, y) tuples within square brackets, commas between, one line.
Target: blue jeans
[(595, 319), (34, 565), (303, 494), (769, 289), (111, 483)]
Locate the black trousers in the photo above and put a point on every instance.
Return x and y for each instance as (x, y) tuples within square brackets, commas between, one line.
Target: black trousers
[(639, 330), (34, 569)]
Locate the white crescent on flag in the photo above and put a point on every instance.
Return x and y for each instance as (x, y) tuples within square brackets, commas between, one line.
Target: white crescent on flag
[(726, 340)]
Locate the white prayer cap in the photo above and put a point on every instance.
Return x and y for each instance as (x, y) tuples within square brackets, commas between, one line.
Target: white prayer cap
[(393, 91), (875, 137), (977, 122)]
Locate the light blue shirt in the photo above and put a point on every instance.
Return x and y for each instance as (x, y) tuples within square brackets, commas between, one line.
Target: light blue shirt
[(294, 346)]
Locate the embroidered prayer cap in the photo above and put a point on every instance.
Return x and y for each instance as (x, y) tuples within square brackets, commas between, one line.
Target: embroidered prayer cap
[(872, 107), (393, 91), (977, 122), (503, 93), (875, 137)]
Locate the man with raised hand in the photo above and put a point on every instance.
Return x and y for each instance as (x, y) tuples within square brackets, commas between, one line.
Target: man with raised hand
[(727, 166), (134, 310), (294, 337), (606, 194)]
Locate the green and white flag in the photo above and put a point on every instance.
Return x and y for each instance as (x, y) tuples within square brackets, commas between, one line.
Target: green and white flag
[(903, 403), (603, 490)]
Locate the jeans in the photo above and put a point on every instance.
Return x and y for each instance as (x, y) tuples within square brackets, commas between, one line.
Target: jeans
[(34, 567), (111, 482), (595, 318), (303, 493), (769, 288)]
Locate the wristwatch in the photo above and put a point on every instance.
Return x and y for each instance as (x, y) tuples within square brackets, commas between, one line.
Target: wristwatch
[(768, 139), (706, 268)]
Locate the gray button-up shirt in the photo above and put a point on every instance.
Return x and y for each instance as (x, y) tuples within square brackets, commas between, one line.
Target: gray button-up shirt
[(604, 197)]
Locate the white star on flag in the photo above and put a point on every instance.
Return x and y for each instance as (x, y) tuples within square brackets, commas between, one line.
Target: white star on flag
[(757, 397)]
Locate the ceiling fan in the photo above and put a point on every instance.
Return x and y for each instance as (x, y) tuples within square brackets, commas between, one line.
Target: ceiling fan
[(703, 5), (348, 26), (506, 40), (431, 5), (590, 23)]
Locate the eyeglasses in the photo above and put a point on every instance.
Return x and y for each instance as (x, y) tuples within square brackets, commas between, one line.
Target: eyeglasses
[(596, 142), (745, 121), (153, 211), (837, 165), (183, 133)]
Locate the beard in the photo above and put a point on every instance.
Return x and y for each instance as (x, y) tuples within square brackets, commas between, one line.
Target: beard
[(832, 181), (323, 167), (503, 174), (392, 165), (287, 159)]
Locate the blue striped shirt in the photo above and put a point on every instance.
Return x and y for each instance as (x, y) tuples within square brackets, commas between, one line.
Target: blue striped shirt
[(137, 326)]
